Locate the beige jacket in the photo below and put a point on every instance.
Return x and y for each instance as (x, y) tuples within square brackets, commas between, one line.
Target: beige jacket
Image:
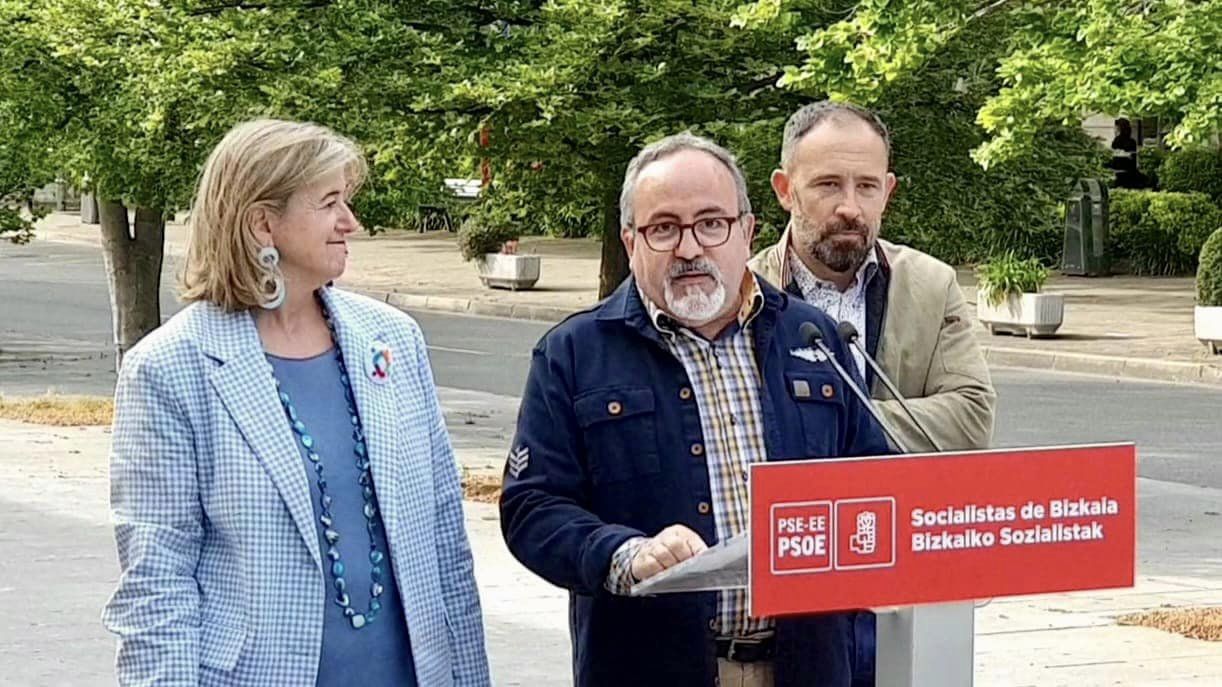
[(927, 347)]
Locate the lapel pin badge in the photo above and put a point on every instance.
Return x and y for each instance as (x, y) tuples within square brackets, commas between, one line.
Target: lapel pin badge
[(377, 361)]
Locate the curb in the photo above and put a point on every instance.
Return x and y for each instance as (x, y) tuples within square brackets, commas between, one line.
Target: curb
[(467, 306), (1148, 369)]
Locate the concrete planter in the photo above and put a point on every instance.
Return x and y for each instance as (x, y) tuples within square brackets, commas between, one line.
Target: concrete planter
[(514, 272), (1207, 322), (1032, 314)]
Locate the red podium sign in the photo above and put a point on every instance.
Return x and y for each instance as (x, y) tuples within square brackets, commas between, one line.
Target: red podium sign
[(861, 533)]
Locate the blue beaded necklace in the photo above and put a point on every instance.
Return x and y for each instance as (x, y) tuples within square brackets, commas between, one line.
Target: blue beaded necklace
[(376, 557)]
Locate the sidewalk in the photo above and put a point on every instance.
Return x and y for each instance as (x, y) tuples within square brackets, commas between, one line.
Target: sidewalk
[(62, 567), (1117, 326)]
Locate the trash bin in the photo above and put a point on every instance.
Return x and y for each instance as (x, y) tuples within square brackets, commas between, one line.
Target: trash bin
[(1085, 250)]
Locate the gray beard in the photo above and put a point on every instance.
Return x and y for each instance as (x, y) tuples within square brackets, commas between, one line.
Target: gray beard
[(839, 259)]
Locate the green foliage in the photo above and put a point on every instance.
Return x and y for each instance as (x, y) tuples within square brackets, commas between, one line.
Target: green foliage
[(477, 237), (945, 203), (577, 92), (764, 237), (17, 227), (1009, 275), (133, 95), (1150, 161), (1060, 60), (1160, 233), (1209, 273), (1194, 170)]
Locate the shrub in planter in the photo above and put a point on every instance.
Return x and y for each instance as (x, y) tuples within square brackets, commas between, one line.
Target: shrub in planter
[(1209, 272), (476, 239), (1194, 170), (1008, 298), (1007, 276), (1207, 315)]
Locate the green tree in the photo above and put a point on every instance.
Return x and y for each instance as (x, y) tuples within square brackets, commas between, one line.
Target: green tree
[(945, 203), (576, 88), (1059, 61), (28, 115), (145, 89)]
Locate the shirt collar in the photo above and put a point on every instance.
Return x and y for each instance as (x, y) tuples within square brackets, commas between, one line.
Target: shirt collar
[(752, 304)]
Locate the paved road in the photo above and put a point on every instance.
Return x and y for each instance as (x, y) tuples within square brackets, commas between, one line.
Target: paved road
[(55, 333)]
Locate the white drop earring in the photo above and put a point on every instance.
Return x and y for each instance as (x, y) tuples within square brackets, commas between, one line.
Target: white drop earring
[(271, 285)]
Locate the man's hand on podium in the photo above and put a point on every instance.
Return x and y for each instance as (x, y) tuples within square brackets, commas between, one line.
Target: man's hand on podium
[(670, 547)]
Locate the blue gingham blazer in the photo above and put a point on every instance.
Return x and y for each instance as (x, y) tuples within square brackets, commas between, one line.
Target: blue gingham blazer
[(221, 576)]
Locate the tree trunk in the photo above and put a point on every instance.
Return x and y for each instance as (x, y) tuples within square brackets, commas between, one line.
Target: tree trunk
[(133, 270), (614, 266)]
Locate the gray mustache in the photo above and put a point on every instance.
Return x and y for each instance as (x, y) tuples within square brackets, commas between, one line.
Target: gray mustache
[(681, 269)]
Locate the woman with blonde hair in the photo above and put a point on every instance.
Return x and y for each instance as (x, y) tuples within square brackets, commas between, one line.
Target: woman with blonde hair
[(285, 498)]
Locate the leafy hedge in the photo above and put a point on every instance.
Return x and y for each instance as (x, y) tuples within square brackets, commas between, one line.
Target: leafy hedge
[(1150, 161), (1197, 170), (1209, 273), (1159, 232)]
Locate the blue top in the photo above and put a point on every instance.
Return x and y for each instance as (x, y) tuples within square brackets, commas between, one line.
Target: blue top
[(379, 653)]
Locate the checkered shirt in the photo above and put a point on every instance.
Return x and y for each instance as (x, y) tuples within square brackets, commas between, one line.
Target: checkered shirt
[(726, 382)]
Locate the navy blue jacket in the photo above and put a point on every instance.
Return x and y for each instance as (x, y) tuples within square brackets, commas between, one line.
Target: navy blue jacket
[(604, 452)]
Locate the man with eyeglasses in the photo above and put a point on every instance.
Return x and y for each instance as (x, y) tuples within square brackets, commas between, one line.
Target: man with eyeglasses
[(638, 423), (835, 181)]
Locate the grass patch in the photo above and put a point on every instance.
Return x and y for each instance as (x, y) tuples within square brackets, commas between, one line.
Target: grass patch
[(483, 487), (1197, 623), (59, 411)]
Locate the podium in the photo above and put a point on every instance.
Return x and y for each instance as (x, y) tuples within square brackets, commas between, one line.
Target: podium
[(919, 538)]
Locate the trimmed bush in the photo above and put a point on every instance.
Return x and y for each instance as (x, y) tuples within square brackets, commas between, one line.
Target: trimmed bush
[(1160, 233), (1198, 170), (1209, 272), (1150, 161), (476, 238)]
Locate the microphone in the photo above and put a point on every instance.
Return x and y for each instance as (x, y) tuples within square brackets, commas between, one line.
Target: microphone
[(811, 333), (848, 334)]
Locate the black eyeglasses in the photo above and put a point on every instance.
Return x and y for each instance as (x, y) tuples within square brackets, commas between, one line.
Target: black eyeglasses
[(709, 232)]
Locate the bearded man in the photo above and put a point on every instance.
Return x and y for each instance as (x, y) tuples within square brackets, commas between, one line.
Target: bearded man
[(835, 181)]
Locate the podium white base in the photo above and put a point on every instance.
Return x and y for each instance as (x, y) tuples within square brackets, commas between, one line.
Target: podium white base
[(926, 646)]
